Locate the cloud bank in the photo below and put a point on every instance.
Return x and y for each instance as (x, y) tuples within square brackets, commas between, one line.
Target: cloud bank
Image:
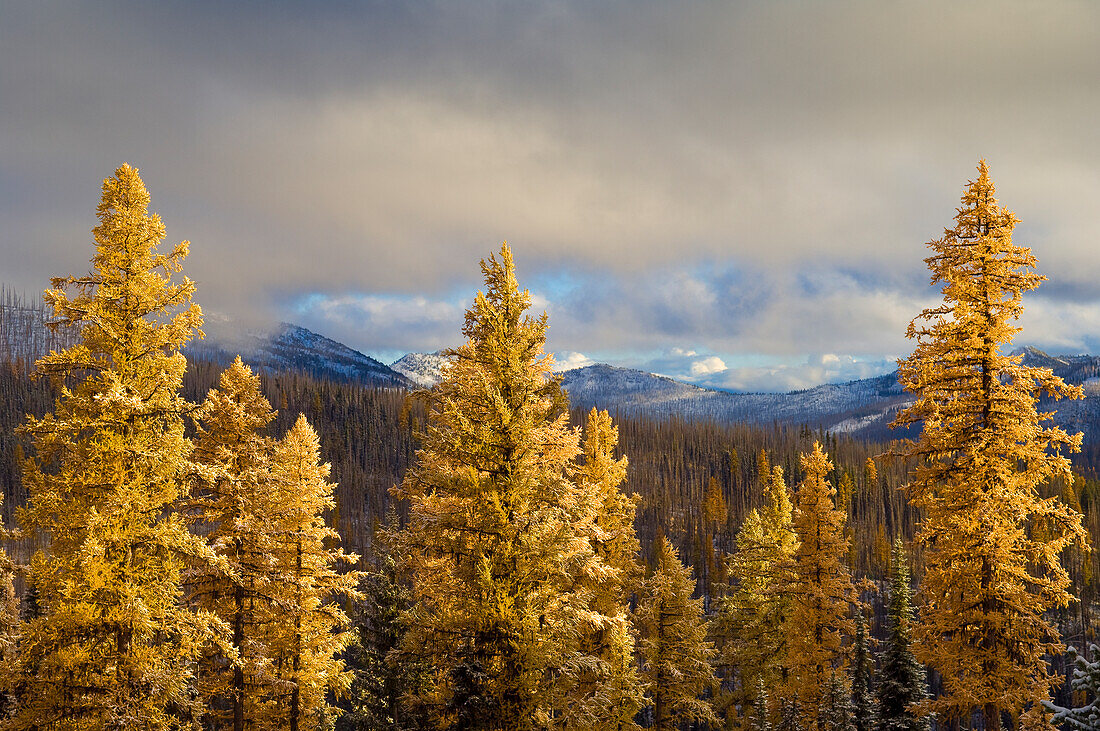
[(750, 180)]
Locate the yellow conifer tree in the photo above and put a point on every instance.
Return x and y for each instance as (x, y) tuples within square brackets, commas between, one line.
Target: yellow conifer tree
[(616, 542), (499, 540), (820, 589), (9, 622), (235, 506), (607, 691), (114, 648), (984, 449), (715, 515), (870, 474), (314, 629), (677, 657)]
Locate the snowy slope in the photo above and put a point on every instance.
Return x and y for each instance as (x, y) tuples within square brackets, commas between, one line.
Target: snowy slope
[(289, 347), (863, 408), (630, 391), (423, 369)]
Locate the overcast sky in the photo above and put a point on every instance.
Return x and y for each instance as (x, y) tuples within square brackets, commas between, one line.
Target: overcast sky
[(733, 193)]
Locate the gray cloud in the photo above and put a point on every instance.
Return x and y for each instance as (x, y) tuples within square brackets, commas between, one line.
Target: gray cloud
[(736, 178)]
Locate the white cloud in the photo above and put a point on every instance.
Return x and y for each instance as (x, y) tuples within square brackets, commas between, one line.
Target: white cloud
[(816, 370), (393, 154), (375, 322), (565, 360), (708, 366), (539, 303)]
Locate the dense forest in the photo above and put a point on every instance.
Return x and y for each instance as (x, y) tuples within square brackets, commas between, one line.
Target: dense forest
[(368, 435), (205, 546)]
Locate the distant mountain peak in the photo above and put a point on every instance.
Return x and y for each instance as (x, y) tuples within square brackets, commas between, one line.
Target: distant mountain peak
[(292, 347), (1040, 359), (423, 369)]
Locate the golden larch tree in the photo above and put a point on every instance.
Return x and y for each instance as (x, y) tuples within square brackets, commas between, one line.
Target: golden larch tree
[(715, 511), (235, 506), (499, 543), (677, 657), (114, 648), (984, 451), (304, 646), (820, 590), (9, 621), (607, 691)]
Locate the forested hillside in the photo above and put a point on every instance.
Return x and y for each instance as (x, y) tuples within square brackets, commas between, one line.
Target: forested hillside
[(676, 464)]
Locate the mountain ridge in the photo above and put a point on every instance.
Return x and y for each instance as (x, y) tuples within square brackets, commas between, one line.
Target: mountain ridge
[(289, 346)]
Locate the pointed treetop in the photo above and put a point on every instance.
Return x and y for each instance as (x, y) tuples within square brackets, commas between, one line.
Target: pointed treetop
[(502, 293), (128, 308), (817, 464), (303, 433)]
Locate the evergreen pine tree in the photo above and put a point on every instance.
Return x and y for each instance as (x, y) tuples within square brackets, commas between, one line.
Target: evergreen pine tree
[(983, 452), (305, 648), (749, 625), (1084, 680), (821, 587), (761, 716), (790, 714), (381, 676), (835, 712), (114, 647), (863, 706), (901, 678), (676, 656), (499, 541)]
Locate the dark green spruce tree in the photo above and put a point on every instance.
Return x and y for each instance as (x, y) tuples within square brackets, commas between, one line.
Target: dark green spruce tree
[(790, 714), (1085, 684), (901, 678), (382, 676), (761, 720), (863, 704), (836, 706)]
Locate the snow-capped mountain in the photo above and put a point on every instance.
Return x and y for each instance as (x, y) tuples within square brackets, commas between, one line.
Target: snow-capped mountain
[(423, 369), (864, 407), (851, 406), (289, 347)]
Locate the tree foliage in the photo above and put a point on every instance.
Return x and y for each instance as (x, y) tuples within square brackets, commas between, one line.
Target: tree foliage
[(901, 685), (990, 574), (604, 689), (381, 675), (676, 654), (499, 544), (863, 709), (113, 647), (306, 645), (820, 587), (9, 625), (1084, 680), (749, 624), (235, 505)]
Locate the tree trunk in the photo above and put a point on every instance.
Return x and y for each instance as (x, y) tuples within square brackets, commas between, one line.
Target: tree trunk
[(992, 714), (295, 695), (238, 670)]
